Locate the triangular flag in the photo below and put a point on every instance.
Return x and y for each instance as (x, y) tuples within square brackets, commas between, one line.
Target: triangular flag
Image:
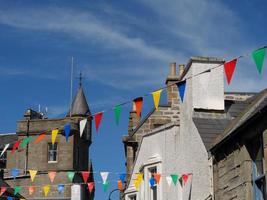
[(117, 111), (152, 181), (25, 141), (46, 189), (122, 177), (156, 98), (157, 177), (67, 131), (85, 176), (60, 188), (17, 190), (82, 126), (16, 146), (31, 190), (70, 175), (98, 118), (258, 57), (91, 186), (52, 176), (229, 68), (137, 183), (9, 198), (2, 190), (54, 136), (169, 180), (120, 185), (139, 176), (32, 174), (138, 105), (5, 148), (181, 87), (14, 172), (39, 138), (105, 186), (185, 178), (174, 178), (104, 176)]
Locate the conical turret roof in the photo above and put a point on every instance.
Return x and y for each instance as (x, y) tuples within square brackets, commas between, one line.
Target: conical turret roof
[(79, 106)]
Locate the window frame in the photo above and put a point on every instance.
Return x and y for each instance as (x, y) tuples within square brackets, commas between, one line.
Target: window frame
[(48, 151)]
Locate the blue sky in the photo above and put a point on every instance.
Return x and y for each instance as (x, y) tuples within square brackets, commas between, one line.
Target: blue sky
[(123, 48)]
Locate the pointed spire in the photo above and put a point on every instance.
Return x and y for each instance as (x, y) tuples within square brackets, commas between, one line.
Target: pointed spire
[(79, 106)]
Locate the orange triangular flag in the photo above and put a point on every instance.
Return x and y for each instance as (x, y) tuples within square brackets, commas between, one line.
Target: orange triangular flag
[(39, 138), (157, 177), (52, 176), (138, 105), (31, 190), (91, 186), (85, 176), (120, 185), (16, 146)]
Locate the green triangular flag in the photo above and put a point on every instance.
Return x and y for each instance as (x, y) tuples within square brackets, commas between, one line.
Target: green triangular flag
[(105, 186), (117, 111), (70, 175), (174, 178), (258, 57), (25, 141), (17, 190)]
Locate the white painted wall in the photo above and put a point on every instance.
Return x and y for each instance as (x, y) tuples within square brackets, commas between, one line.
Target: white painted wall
[(75, 192)]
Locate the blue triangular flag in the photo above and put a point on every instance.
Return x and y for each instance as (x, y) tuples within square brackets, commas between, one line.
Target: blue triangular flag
[(9, 198), (181, 87), (14, 172), (60, 188), (67, 131), (122, 177), (152, 181)]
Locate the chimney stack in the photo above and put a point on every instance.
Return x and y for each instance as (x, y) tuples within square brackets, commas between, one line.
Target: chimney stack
[(172, 91), (134, 119)]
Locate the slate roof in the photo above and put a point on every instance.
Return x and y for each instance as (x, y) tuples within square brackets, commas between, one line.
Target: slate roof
[(255, 106), (7, 138), (211, 124), (79, 106)]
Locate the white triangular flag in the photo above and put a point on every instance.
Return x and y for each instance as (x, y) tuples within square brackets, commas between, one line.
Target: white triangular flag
[(104, 176), (82, 126), (7, 145), (169, 180)]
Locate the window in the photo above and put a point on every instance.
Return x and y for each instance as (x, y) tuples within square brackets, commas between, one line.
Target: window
[(133, 197), (258, 175), (153, 189), (52, 153)]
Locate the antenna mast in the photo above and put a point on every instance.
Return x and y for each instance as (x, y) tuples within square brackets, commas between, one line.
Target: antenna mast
[(71, 82)]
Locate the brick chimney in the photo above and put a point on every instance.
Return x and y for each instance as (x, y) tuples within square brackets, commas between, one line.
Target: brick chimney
[(172, 91), (134, 119)]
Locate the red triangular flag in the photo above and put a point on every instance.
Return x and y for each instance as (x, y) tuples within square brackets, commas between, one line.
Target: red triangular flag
[(98, 118), (138, 105), (85, 176), (229, 68), (185, 178), (157, 177), (16, 146), (2, 191), (91, 186)]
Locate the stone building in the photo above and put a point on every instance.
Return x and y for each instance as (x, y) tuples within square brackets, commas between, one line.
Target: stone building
[(61, 157), (178, 137)]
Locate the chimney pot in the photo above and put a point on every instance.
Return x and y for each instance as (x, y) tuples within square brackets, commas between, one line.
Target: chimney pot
[(181, 69), (173, 69)]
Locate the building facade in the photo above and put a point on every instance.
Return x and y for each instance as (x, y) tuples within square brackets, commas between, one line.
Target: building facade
[(61, 157)]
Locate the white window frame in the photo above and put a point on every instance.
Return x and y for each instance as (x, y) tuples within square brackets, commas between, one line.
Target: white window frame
[(48, 151)]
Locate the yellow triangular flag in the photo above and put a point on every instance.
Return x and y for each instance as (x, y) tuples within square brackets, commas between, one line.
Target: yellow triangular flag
[(139, 177), (136, 184), (46, 189), (156, 98), (54, 136), (32, 174)]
